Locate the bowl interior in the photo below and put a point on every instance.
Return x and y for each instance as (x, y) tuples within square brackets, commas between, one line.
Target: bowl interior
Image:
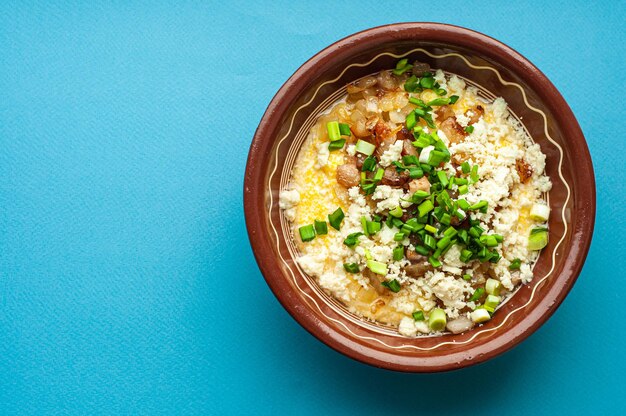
[(499, 72)]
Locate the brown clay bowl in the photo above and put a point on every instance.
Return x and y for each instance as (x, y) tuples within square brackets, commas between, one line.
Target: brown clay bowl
[(500, 71)]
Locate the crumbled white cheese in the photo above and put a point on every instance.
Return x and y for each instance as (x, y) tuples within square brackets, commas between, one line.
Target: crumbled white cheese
[(407, 327), (393, 153), (288, 199), (322, 155)]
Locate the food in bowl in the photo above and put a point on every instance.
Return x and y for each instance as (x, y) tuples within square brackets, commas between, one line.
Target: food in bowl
[(418, 203)]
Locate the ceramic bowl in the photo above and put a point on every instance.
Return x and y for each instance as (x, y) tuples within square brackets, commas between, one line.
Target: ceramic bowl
[(499, 71)]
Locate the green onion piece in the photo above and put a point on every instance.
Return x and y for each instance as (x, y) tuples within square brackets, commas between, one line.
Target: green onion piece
[(419, 196), (465, 256), (397, 222), (425, 207), (398, 253), (433, 261), (475, 231), (538, 239), (438, 102), (465, 167), (430, 241), (344, 129), (333, 131), (474, 175), (515, 264), (307, 233), (427, 82), (493, 287), (401, 67), (320, 227), (373, 227), (445, 219), (364, 226), (463, 204), (396, 212), (352, 239), (437, 319), (351, 267), (422, 250), (498, 237), (435, 157), (480, 315), (441, 91), (450, 232), (336, 144), (418, 315), (469, 129), (467, 277), (461, 181), (480, 204), (416, 173), (411, 120), (463, 190), (364, 147), (478, 293), (392, 285), (463, 236), (444, 242), (430, 228), (417, 102), (443, 178), (399, 237), (495, 256), (488, 240), (454, 99), (412, 84), (335, 219), (379, 175), (377, 267), (369, 164), (492, 301)]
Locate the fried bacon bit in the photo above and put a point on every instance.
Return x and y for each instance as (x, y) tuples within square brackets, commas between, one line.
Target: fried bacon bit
[(375, 281), (381, 132), (420, 184), (418, 270), (444, 112), (409, 149), (453, 130), (419, 68), (475, 114), (524, 170), (404, 134), (393, 178), (348, 175)]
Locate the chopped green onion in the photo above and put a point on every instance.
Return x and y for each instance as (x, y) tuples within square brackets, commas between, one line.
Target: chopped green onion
[(488, 240), (493, 287), (444, 242), (538, 239), (351, 267), (320, 227), (416, 173), (333, 130), (392, 285), (307, 233), (463, 190), (418, 315), (336, 144), (412, 84), (478, 293), (474, 174), (467, 277), (480, 204), (335, 219), (377, 267), (430, 228), (515, 264), (373, 227), (540, 212), (438, 102), (463, 204), (364, 147), (379, 175), (402, 66), (427, 82), (425, 207), (369, 164), (396, 212), (419, 196), (443, 178), (469, 129), (492, 301), (422, 250), (480, 315), (399, 237), (398, 253), (433, 261), (352, 239), (454, 99), (475, 231), (344, 129), (437, 319), (441, 91), (466, 255), (465, 167), (411, 120), (450, 232), (364, 226)]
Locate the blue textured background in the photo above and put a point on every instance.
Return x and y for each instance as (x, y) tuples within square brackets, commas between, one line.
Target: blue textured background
[(127, 284)]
